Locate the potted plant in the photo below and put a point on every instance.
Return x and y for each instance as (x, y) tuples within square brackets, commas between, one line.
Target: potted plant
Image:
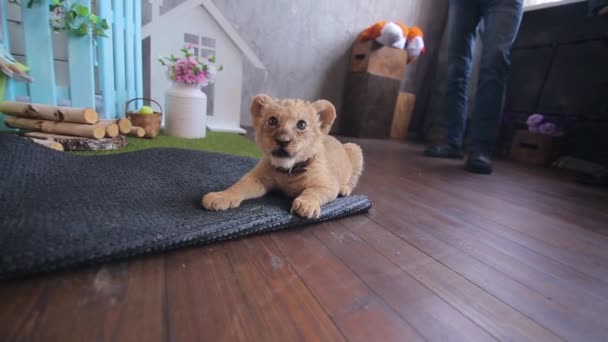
[(186, 103), (77, 19)]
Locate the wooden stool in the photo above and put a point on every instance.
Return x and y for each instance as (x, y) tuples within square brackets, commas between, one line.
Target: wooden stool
[(373, 105)]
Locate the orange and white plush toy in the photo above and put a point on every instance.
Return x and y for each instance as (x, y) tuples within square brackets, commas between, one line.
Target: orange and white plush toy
[(415, 42), (397, 35), (386, 33)]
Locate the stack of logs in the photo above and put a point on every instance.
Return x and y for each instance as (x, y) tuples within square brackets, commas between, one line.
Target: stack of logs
[(68, 128)]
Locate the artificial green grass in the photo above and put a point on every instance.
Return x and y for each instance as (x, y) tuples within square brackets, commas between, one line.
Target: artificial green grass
[(214, 142)]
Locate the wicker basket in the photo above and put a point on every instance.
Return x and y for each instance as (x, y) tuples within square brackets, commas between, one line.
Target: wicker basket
[(149, 122)]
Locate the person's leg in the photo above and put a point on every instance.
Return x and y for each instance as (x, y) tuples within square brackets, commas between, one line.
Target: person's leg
[(501, 22), (463, 18)]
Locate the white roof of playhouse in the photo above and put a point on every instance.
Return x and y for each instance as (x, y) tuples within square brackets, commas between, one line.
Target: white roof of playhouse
[(215, 13)]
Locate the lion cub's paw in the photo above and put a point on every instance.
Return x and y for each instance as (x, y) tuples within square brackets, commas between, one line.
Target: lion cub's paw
[(345, 190), (220, 201), (307, 208)]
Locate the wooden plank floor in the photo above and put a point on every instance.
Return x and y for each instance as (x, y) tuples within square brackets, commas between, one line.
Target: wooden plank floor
[(442, 255)]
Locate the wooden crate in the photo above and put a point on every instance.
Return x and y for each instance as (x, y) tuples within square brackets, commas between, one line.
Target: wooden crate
[(376, 59), (534, 148), (402, 115), (373, 106), (369, 105)]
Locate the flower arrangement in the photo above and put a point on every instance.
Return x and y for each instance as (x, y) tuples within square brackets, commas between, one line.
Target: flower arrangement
[(537, 123), (191, 69)]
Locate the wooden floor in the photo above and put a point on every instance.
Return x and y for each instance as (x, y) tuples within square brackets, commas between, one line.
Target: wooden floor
[(442, 255)]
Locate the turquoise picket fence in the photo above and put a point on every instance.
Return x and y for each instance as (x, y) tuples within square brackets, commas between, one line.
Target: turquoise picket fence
[(104, 72)]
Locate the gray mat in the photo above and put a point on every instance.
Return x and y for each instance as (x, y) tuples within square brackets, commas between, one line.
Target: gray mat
[(59, 210)]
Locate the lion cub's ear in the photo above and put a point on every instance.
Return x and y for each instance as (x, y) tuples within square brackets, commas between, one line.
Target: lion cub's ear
[(258, 102), (327, 114)]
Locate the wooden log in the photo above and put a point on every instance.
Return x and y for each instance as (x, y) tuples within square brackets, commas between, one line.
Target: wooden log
[(49, 143), (97, 131), (82, 144), (137, 132), (47, 112), (124, 125), (112, 130)]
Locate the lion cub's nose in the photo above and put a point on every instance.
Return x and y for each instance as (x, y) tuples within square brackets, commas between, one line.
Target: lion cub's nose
[(282, 142)]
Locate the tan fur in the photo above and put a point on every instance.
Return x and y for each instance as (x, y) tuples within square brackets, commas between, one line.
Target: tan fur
[(335, 169)]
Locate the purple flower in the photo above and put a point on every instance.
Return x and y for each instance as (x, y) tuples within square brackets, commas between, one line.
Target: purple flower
[(547, 128), (535, 120)]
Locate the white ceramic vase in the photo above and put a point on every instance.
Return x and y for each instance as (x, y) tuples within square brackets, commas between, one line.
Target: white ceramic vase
[(186, 111)]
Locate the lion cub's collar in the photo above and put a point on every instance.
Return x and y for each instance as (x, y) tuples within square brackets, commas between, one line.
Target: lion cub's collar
[(297, 168)]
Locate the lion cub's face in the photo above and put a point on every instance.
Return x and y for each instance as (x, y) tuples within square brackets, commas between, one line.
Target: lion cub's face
[(289, 131)]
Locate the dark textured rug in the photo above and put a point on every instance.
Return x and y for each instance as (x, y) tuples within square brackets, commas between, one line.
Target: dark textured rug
[(59, 210)]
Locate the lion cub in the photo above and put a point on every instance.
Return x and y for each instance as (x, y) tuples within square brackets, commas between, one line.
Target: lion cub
[(300, 158)]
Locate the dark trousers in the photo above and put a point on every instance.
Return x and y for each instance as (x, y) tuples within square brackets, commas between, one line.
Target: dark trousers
[(501, 19)]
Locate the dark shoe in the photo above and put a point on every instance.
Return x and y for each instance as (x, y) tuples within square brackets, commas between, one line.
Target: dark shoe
[(596, 178), (444, 151), (479, 163)]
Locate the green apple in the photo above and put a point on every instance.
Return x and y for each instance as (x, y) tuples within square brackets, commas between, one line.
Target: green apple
[(146, 110)]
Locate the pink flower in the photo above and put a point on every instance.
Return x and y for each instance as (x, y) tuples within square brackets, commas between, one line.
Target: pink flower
[(189, 69)]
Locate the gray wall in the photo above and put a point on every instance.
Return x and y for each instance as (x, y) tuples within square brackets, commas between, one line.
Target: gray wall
[(305, 44)]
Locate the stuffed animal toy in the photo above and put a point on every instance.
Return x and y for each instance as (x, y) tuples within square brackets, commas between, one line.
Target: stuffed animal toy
[(11, 68), (386, 33), (397, 35), (415, 42)]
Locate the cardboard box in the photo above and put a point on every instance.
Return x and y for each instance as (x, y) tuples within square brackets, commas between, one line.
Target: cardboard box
[(534, 148)]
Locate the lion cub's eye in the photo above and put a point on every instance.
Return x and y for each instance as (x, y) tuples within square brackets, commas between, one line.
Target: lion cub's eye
[(272, 121), (301, 125)]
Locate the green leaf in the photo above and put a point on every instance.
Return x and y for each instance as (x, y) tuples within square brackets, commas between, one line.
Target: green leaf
[(94, 18), (83, 30), (220, 68), (76, 23), (82, 11), (101, 33), (196, 70), (104, 24)]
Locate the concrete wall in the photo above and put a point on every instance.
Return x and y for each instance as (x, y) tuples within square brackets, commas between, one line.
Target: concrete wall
[(304, 44)]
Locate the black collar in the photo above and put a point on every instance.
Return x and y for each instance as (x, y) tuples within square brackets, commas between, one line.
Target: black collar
[(297, 168)]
